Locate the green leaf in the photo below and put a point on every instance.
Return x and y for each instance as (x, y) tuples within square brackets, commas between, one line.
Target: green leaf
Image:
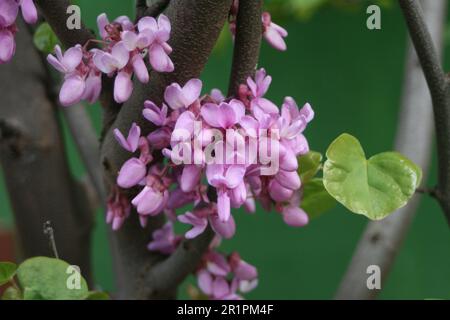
[(308, 165), (7, 272), (50, 279), (45, 39), (316, 199), (12, 293), (375, 187), (97, 295)]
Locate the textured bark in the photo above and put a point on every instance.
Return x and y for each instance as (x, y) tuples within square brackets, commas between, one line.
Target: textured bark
[(381, 241), (247, 43), (439, 86), (35, 167)]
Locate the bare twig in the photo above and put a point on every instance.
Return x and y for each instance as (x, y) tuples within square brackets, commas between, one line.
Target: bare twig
[(382, 240), (37, 175), (440, 95), (88, 145), (247, 43)]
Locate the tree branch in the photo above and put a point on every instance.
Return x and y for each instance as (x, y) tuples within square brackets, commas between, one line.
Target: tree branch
[(37, 176), (381, 241), (440, 95), (196, 25), (247, 43), (141, 7)]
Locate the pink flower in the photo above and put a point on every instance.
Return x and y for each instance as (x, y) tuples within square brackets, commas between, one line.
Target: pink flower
[(261, 84), (224, 115), (225, 229), (273, 33), (118, 210), (295, 216), (152, 113), (66, 63), (29, 11), (134, 170), (116, 61), (190, 178), (215, 281), (132, 141), (199, 224), (224, 179), (131, 173), (199, 220), (7, 44), (150, 201), (158, 32), (8, 12), (178, 97), (164, 240), (81, 80), (241, 269)]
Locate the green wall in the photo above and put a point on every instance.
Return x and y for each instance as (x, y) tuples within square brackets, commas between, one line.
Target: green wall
[(352, 77)]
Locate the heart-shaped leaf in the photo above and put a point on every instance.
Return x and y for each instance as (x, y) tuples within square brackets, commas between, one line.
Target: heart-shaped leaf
[(316, 199), (51, 279), (375, 187), (7, 272), (308, 165)]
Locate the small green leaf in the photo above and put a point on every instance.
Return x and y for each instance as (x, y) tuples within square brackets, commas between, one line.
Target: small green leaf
[(308, 165), (7, 272), (45, 39), (375, 187), (50, 279), (97, 295), (12, 293), (316, 199)]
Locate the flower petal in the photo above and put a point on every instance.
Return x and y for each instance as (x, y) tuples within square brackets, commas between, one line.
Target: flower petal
[(72, 90), (131, 173)]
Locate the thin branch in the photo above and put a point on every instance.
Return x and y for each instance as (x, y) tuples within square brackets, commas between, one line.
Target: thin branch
[(440, 95), (247, 43), (88, 145), (381, 241)]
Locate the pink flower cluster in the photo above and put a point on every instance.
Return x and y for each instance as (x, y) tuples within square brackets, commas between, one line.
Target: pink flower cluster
[(238, 182), (219, 277), (272, 32), (9, 9), (125, 46), (194, 122), (225, 278)]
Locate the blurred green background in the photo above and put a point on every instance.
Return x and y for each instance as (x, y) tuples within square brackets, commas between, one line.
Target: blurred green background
[(352, 77)]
